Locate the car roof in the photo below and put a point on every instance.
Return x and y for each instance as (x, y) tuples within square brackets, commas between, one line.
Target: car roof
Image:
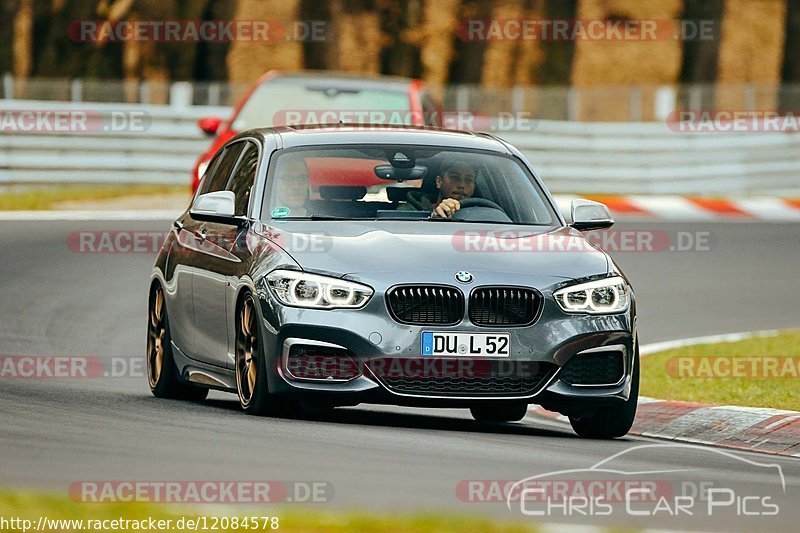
[(334, 134), (341, 80)]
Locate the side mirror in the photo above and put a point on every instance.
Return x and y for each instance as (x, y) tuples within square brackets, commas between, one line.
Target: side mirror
[(589, 215), (220, 204), (209, 125)]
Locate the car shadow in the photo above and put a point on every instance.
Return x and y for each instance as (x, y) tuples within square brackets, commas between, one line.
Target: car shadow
[(434, 421)]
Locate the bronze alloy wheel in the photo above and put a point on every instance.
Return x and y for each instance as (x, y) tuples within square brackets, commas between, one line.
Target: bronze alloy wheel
[(247, 352), (156, 337), (162, 373)]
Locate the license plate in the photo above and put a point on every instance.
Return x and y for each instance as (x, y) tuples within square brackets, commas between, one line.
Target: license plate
[(466, 344)]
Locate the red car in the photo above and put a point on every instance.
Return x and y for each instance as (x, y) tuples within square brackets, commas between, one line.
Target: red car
[(282, 98)]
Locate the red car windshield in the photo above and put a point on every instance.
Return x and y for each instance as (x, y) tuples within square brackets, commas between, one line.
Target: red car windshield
[(282, 103)]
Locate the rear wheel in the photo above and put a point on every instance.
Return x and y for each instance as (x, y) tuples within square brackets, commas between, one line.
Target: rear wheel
[(615, 420), (162, 374), (499, 413)]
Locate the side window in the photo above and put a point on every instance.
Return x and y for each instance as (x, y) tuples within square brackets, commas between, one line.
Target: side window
[(212, 165), (241, 181), (216, 179)]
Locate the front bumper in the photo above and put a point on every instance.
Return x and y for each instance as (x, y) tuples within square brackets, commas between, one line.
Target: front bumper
[(370, 335)]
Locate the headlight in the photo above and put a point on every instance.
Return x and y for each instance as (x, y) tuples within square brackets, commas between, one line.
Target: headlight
[(605, 296), (319, 292)]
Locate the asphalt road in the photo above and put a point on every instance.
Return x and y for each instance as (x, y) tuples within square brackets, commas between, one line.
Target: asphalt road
[(54, 432)]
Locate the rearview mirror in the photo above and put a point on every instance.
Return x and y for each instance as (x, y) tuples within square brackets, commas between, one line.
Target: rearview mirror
[(389, 172), (589, 215), (209, 125), (215, 204)]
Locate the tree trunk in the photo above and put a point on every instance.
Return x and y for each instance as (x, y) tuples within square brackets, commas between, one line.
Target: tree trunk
[(399, 56), (23, 39), (790, 72), (701, 56), (468, 65)]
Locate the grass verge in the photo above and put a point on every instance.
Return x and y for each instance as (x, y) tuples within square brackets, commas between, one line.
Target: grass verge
[(757, 372), (31, 506), (46, 197)]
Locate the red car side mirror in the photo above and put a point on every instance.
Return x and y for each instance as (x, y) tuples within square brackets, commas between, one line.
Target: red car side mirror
[(209, 125)]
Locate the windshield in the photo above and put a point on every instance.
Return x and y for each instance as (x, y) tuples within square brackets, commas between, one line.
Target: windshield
[(282, 103), (403, 182)]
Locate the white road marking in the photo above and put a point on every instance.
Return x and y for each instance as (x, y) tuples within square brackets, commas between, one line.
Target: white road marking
[(654, 347)]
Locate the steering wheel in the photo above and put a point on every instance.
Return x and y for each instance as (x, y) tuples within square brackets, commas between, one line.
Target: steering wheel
[(466, 203), (480, 209)]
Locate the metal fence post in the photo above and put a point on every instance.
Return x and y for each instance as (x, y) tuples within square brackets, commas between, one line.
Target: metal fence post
[(664, 102), (573, 102), (695, 98), (517, 99), (180, 94), (144, 92), (635, 112), (214, 93), (76, 90), (8, 86), (462, 98), (749, 97)]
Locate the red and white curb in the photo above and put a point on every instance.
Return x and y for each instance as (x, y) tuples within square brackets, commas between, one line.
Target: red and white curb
[(693, 209), (756, 429), (744, 428)]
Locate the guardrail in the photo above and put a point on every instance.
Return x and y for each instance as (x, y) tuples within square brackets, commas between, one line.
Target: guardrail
[(573, 157)]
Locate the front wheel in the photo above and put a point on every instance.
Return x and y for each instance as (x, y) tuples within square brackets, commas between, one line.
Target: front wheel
[(162, 374), (614, 420), (251, 368)]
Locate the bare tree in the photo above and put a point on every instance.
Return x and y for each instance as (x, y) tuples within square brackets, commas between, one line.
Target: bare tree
[(23, 39), (467, 66), (790, 73)]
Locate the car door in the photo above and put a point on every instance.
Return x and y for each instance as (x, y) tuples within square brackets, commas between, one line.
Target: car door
[(181, 312), (224, 257), (192, 237)]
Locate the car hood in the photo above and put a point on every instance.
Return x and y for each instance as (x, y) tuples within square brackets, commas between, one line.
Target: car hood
[(412, 250)]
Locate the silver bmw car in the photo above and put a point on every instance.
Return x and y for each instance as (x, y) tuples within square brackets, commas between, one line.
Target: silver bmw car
[(326, 266)]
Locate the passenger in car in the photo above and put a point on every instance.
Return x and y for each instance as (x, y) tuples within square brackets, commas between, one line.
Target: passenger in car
[(456, 182), (292, 185)]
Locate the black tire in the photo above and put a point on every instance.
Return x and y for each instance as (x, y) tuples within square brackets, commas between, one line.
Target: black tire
[(162, 374), (499, 413), (612, 421), (251, 367)]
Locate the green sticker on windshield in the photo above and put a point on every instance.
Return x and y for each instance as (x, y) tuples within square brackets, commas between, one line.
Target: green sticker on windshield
[(280, 212)]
